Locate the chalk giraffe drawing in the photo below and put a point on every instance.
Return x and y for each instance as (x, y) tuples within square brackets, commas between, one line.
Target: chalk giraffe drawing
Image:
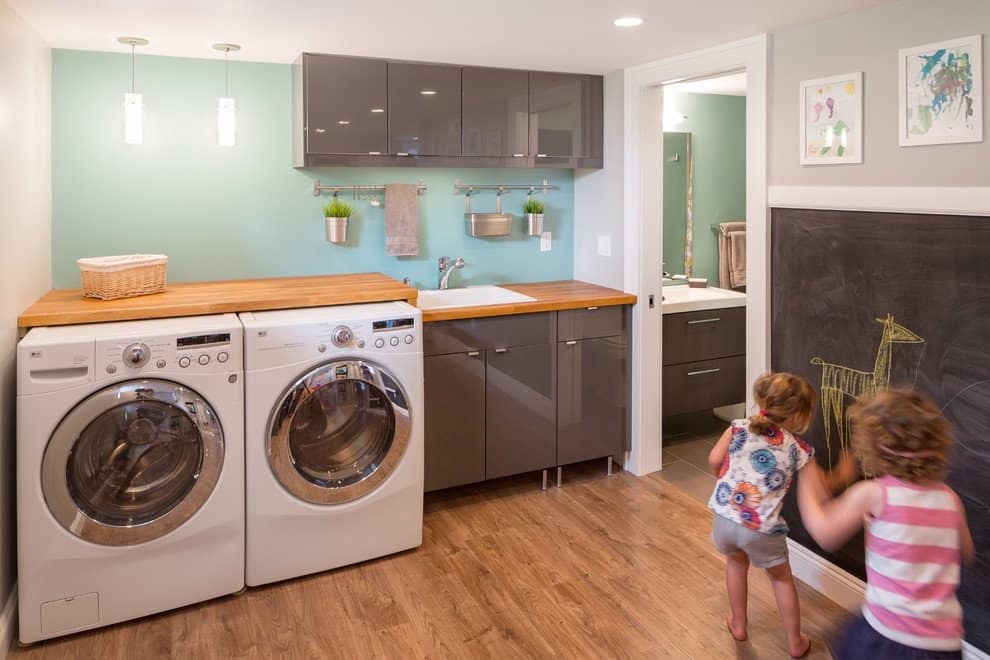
[(839, 381)]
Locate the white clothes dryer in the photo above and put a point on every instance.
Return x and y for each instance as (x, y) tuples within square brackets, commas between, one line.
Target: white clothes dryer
[(130, 470), (334, 401)]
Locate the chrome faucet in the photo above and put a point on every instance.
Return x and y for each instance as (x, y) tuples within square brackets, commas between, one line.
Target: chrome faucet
[(447, 267)]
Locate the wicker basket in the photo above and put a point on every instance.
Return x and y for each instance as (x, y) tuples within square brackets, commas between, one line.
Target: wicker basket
[(108, 278)]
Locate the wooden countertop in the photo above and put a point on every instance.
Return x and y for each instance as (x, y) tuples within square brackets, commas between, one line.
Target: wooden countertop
[(550, 296), (68, 307)]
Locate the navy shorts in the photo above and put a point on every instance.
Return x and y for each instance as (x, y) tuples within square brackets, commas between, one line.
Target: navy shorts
[(862, 642)]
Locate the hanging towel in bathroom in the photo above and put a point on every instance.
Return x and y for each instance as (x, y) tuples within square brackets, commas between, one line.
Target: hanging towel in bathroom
[(732, 255), (401, 220)]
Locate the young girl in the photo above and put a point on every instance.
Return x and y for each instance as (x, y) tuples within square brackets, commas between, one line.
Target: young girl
[(916, 530), (755, 461)]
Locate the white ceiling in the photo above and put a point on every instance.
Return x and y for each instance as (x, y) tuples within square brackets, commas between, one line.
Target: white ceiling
[(733, 84), (565, 35)]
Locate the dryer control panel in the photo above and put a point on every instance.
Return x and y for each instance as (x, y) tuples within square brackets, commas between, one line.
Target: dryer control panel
[(194, 353)]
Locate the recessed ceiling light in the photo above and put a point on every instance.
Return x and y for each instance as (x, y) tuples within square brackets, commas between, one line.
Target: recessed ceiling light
[(428, 92), (628, 21), (378, 109)]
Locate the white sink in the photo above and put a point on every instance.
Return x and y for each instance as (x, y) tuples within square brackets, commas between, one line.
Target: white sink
[(687, 299), (472, 296)]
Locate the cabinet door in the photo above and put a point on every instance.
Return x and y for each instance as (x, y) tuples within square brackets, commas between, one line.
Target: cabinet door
[(424, 109), (455, 419), (346, 104), (592, 398), (565, 115), (520, 431), (495, 112)]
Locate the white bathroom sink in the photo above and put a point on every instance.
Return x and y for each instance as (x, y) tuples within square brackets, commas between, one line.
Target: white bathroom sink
[(472, 296), (687, 299)]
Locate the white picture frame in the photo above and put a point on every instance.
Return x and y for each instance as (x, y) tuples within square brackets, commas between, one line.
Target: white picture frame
[(926, 117), (831, 126)]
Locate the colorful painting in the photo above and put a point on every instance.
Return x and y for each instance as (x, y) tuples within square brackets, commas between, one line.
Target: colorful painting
[(832, 120), (941, 92)]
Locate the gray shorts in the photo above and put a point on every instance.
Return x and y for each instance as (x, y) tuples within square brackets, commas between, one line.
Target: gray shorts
[(763, 550)]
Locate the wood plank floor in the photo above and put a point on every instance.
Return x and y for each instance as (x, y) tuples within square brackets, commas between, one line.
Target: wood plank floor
[(605, 567)]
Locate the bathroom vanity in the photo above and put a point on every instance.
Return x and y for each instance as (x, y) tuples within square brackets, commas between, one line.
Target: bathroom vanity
[(704, 348)]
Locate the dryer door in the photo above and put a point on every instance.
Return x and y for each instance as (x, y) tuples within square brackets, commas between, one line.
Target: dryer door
[(338, 432), (132, 462)]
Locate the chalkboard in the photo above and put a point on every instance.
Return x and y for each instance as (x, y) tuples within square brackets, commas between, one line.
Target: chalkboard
[(901, 294)]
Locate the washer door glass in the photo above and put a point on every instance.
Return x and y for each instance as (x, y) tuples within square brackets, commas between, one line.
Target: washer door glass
[(132, 462), (338, 432)]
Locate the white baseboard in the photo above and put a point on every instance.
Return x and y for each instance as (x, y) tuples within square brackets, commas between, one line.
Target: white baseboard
[(915, 199), (840, 587), (8, 623)]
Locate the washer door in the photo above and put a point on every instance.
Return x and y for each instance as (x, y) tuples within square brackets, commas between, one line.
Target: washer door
[(338, 432), (132, 462)]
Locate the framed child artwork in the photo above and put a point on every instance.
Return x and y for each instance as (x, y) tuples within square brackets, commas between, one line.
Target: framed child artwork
[(832, 120)]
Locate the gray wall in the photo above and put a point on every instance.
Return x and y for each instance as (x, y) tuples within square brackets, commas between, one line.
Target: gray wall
[(25, 228), (868, 41)]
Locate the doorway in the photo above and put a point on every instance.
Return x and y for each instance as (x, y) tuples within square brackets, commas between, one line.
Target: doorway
[(643, 234)]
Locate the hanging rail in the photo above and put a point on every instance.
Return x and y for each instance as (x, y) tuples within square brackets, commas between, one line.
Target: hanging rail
[(318, 188), (500, 188)]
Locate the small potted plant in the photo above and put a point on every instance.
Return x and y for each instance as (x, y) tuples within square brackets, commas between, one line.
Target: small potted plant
[(534, 216), (337, 213)]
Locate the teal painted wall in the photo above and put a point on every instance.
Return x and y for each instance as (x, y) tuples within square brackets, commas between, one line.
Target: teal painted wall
[(244, 211), (674, 201), (717, 124)]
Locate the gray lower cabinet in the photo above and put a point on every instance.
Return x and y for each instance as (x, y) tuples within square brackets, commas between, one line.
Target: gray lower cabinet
[(519, 410), (455, 419), (592, 398)]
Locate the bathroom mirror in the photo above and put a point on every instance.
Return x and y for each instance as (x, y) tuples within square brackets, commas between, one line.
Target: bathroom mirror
[(678, 206)]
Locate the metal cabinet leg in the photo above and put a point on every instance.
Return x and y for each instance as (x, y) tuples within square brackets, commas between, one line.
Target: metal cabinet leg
[(560, 476), (544, 486), (610, 466)]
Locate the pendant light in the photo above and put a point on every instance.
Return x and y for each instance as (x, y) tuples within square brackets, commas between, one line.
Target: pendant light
[(226, 109), (133, 105)]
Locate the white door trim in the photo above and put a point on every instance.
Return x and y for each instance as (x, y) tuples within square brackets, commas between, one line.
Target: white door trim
[(642, 234)]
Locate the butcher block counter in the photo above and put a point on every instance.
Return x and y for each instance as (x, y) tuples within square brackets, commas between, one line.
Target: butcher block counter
[(68, 307), (549, 297)]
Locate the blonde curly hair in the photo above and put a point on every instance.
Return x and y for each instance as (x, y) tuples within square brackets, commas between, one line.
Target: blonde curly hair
[(901, 433)]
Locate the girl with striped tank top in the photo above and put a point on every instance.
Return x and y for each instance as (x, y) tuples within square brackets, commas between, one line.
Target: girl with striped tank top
[(916, 532)]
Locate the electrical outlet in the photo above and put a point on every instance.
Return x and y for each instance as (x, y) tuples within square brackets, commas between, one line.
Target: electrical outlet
[(605, 245), (545, 242)]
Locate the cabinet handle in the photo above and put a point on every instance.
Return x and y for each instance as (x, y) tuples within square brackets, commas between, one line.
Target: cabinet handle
[(501, 350), (374, 153), (711, 320), (591, 309), (541, 155), (473, 353), (401, 153), (518, 155), (571, 342), (704, 371)]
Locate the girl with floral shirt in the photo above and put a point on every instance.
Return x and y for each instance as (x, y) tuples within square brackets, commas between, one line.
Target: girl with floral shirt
[(755, 461)]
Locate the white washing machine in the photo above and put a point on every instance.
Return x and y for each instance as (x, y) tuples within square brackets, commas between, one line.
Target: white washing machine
[(334, 400), (130, 470)]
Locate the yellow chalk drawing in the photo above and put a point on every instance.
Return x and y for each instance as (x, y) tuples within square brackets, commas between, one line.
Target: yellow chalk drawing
[(840, 381)]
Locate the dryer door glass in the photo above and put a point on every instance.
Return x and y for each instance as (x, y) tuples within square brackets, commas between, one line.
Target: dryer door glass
[(338, 432), (132, 462)]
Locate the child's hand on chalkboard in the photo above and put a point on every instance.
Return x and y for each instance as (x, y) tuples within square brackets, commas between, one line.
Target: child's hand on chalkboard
[(844, 473)]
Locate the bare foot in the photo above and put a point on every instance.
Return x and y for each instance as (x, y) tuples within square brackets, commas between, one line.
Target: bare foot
[(803, 647), (738, 632)]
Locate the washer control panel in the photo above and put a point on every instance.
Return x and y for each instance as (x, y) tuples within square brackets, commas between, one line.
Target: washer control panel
[(199, 353)]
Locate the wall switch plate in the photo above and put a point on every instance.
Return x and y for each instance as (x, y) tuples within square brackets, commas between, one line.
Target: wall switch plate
[(605, 245), (545, 242)]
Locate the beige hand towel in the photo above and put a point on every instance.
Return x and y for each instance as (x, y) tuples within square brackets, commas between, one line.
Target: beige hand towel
[(401, 220), (725, 258), (737, 259)]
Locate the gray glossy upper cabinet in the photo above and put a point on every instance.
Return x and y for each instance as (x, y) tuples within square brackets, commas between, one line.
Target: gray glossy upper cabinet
[(520, 410), (424, 109), (344, 105), (565, 115), (495, 112), (455, 419)]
